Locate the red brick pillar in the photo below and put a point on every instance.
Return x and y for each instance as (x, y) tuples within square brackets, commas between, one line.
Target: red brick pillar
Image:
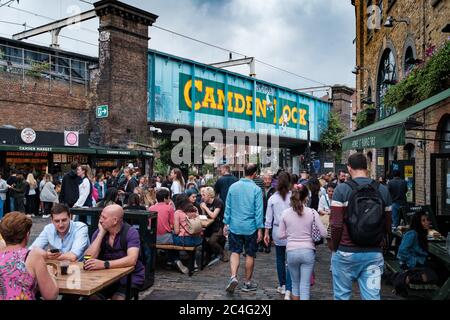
[(123, 74)]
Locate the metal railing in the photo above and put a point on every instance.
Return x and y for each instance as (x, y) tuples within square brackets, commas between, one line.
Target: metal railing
[(42, 65)]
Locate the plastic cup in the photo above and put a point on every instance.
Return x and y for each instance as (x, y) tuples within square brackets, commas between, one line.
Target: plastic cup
[(64, 266)]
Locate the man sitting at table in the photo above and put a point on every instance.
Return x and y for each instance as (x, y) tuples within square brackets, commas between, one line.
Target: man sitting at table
[(64, 238), (115, 245)]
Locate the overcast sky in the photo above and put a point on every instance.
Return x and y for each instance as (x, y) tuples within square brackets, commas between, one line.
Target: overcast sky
[(312, 38)]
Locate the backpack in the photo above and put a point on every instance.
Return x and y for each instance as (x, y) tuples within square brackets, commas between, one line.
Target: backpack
[(365, 217), (142, 254)]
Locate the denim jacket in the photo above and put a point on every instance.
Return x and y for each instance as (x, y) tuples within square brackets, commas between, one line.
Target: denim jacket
[(410, 252)]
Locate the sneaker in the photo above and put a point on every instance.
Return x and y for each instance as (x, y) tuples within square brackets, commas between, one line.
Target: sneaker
[(267, 250), (181, 267), (249, 286), (282, 289), (287, 295), (213, 262), (232, 284), (195, 266), (46, 216)]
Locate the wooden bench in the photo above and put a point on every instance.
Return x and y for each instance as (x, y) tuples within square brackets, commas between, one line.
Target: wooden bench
[(190, 249), (418, 289)]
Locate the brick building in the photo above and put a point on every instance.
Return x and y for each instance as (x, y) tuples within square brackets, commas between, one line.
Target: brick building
[(51, 91), (392, 36)]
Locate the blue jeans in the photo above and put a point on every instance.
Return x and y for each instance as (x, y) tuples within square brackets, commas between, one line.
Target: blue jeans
[(395, 214), (2, 203), (187, 241), (365, 267), (301, 266), (284, 277), (12, 204)]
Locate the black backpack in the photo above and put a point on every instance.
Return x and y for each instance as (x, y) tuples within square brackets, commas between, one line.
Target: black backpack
[(365, 217)]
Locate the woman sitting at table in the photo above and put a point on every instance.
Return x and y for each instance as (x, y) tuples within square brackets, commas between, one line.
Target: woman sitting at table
[(134, 203), (111, 197), (22, 271), (413, 253), (181, 236)]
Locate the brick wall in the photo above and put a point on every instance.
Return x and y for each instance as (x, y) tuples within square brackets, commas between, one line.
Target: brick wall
[(433, 117), (41, 104), (399, 37)]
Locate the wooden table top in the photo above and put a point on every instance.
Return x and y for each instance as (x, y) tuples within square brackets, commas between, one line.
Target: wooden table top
[(439, 250), (90, 282)]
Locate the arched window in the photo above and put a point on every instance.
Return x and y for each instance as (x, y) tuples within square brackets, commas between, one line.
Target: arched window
[(387, 76), (409, 60)]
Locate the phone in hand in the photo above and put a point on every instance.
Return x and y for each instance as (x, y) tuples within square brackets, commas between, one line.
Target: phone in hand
[(54, 250)]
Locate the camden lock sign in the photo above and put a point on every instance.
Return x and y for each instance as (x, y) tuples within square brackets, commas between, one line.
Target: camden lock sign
[(210, 99)]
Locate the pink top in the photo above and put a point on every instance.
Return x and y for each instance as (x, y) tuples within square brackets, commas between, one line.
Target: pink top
[(165, 217), (16, 283), (297, 229), (182, 218)]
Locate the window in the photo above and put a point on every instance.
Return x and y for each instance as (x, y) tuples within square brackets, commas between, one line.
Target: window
[(409, 151), (409, 61), (387, 76)]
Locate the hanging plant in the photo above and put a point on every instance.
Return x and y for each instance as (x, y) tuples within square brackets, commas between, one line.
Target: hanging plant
[(423, 82)]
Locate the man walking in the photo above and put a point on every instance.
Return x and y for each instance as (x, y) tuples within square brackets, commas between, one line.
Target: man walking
[(358, 241), (225, 181), (243, 222), (69, 187), (398, 189)]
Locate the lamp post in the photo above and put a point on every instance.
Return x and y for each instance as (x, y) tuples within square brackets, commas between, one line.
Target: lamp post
[(308, 147)]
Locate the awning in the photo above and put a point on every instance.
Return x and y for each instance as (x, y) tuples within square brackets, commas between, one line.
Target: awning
[(47, 149), (390, 131), (117, 152)]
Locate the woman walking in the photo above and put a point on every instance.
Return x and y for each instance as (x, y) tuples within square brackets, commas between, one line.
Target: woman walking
[(277, 203), (296, 226)]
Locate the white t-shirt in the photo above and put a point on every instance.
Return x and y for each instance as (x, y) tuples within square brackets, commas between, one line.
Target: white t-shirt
[(176, 188)]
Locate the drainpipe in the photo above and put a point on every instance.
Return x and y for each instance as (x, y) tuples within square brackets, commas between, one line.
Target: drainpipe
[(424, 161)]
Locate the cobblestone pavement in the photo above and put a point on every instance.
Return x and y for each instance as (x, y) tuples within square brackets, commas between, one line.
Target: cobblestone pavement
[(209, 283)]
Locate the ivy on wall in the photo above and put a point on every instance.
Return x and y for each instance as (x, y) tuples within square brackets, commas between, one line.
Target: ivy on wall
[(423, 82)]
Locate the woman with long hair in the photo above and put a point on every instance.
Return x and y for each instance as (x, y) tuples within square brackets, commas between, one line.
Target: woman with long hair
[(314, 189), (277, 203), (413, 250), (31, 196), (296, 226), (48, 195), (412, 255), (85, 188), (178, 184)]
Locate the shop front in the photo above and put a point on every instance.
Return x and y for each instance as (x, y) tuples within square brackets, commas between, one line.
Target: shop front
[(42, 152), (416, 142)]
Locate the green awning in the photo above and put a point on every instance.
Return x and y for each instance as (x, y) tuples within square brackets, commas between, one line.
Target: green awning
[(390, 131), (47, 149)]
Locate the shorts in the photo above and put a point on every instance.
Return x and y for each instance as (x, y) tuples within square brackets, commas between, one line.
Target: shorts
[(236, 242), (116, 289)]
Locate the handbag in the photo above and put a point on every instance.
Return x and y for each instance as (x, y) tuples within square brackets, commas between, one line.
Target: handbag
[(193, 225), (315, 232)]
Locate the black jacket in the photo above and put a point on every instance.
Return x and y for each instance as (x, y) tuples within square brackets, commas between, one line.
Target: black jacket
[(69, 188)]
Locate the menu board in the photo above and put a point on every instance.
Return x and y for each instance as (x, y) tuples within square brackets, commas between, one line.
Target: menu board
[(68, 158)]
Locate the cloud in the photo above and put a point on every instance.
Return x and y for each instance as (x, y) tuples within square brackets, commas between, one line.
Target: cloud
[(312, 38)]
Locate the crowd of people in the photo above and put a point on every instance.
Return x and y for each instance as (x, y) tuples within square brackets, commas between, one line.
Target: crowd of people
[(249, 216)]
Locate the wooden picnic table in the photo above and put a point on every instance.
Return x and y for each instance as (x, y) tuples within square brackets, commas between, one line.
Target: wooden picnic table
[(439, 251), (91, 282)]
